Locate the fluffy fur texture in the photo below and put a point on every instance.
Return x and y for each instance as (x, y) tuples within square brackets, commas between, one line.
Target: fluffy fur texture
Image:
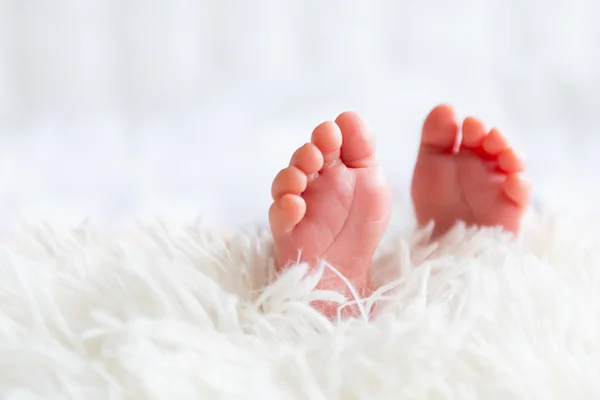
[(181, 313)]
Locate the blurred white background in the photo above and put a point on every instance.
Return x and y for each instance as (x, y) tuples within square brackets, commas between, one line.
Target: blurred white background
[(180, 108)]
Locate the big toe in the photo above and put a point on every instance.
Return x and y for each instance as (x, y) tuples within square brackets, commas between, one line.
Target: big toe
[(358, 142), (441, 129)]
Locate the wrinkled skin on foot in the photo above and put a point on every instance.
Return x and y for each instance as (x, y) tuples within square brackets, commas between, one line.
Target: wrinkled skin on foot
[(467, 173), (332, 202)]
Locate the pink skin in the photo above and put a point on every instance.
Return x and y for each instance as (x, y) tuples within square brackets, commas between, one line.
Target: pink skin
[(469, 174), (333, 201)]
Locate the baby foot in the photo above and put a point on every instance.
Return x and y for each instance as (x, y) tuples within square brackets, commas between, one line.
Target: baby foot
[(469, 175), (333, 203)]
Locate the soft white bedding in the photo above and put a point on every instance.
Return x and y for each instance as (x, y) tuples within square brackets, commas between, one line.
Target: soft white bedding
[(166, 312)]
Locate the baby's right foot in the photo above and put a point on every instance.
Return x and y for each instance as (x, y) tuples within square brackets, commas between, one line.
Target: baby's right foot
[(333, 203), (469, 174)]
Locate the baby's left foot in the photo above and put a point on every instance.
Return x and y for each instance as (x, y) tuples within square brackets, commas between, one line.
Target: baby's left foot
[(467, 174)]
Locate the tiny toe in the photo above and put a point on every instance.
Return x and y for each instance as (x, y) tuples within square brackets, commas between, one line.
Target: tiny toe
[(518, 189), (327, 137), (285, 213), (289, 180), (358, 143), (495, 142), (473, 132), (440, 130), (510, 162), (308, 158)]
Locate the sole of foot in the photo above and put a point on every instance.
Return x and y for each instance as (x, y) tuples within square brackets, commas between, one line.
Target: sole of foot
[(465, 172), (332, 202)]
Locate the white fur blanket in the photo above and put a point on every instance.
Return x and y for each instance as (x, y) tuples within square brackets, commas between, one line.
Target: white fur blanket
[(179, 313)]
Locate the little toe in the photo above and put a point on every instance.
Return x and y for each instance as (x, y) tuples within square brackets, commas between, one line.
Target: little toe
[(285, 213), (495, 142), (510, 162), (518, 189), (473, 132), (440, 130), (289, 180), (327, 137), (308, 159), (358, 143)]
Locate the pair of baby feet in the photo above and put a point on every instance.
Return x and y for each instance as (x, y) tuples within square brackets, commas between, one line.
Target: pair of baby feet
[(333, 202)]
